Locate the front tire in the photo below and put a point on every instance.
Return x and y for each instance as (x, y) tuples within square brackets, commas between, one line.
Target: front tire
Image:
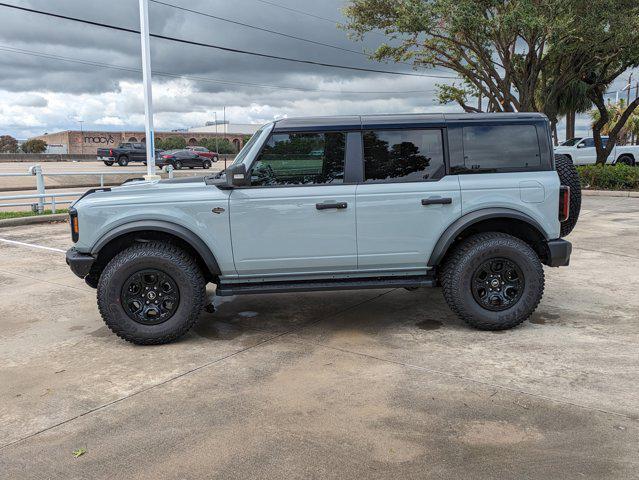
[(123, 161), (206, 164), (493, 281), (151, 293)]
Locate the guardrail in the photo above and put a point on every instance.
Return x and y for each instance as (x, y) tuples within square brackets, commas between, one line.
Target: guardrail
[(42, 195)]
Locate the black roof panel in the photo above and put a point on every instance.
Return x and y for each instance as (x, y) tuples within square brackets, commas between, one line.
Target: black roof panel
[(351, 122)]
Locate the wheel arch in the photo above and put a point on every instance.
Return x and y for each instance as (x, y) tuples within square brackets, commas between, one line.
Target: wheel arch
[(127, 234), (501, 220), (630, 155)]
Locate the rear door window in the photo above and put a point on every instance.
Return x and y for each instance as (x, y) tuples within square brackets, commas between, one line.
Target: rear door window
[(493, 148), (403, 155), (301, 159)]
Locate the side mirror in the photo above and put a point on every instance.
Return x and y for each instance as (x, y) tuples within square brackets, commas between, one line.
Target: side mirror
[(581, 145), (236, 175)]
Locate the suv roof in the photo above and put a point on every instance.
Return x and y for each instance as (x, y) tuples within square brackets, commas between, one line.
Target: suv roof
[(415, 119)]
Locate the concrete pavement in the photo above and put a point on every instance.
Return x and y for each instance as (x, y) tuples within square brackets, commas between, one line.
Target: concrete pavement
[(370, 384)]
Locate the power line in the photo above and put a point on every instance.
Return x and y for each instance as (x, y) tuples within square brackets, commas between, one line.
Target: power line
[(301, 12), (218, 47), (255, 27), (202, 79)]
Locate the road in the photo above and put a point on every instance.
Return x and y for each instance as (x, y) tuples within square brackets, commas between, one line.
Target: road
[(342, 385)]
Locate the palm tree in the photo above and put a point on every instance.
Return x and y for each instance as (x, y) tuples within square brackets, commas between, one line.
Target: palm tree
[(573, 100)]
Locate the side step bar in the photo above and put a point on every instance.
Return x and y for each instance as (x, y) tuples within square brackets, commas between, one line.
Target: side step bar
[(229, 289)]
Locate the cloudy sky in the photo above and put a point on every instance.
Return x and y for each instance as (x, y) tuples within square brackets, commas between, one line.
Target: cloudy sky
[(41, 94)]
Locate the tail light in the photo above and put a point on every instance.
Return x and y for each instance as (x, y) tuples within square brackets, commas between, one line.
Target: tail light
[(75, 227), (564, 203), (110, 152)]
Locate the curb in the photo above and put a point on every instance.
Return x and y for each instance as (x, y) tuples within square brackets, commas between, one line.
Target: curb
[(611, 193), (17, 222)]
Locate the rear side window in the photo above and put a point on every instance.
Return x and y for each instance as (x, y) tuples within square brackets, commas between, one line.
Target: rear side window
[(403, 155), (301, 159), (501, 147)]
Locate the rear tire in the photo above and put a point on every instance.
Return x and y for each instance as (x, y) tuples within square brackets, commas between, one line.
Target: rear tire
[(108, 164), (159, 319), (568, 176), (178, 165), (626, 160), (123, 161), (519, 284)]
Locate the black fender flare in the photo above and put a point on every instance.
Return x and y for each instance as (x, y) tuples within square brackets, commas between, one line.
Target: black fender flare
[(165, 227), (462, 223)]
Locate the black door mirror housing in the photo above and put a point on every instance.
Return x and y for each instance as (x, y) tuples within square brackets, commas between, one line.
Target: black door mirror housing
[(236, 175)]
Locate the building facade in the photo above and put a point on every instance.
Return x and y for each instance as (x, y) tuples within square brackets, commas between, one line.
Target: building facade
[(76, 142)]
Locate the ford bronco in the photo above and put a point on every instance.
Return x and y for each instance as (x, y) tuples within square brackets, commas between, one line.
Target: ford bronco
[(474, 203)]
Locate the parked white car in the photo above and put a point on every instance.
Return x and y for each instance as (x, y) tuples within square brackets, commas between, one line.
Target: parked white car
[(582, 151)]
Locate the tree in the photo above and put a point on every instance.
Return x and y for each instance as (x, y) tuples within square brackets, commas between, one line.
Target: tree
[(222, 145), (174, 143), (34, 145), (159, 143), (8, 144), (519, 55), (615, 111)]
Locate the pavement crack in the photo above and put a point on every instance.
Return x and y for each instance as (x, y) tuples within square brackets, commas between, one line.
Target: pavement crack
[(183, 374)]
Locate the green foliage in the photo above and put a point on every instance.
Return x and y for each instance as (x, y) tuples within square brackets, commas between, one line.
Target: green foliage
[(223, 145), (34, 146), (609, 177), (8, 144), (173, 143), (27, 213), (79, 452), (159, 143)]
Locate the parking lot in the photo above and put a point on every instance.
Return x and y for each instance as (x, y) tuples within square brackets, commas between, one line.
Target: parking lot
[(369, 384)]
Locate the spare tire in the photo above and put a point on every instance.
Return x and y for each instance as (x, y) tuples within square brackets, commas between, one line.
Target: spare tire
[(568, 176)]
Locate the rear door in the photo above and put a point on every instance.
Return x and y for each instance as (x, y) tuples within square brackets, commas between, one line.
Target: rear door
[(406, 200), (298, 214)]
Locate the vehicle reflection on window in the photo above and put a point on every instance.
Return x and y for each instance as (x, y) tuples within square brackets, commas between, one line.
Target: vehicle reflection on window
[(402, 155), (301, 159)]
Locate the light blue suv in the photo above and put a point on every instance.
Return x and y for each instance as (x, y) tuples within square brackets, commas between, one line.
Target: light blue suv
[(473, 203)]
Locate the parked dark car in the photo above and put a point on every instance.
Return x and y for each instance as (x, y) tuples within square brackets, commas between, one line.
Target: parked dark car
[(179, 159), (205, 152), (124, 154)]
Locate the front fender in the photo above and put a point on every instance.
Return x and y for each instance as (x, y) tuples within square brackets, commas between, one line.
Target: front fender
[(165, 227)]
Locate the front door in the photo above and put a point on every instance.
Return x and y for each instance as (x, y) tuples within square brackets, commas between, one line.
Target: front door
[(405, 201), (586, 152), (297, 217)]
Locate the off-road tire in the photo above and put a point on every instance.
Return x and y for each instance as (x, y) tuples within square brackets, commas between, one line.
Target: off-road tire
[(169, 259), (123, 161), (458, 270), (108, 164), (568, 176)]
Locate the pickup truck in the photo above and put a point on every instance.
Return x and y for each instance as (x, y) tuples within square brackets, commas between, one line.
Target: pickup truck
[(581, 151), (124, 153)]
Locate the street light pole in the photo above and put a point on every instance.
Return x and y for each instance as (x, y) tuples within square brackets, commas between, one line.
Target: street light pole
[(81, 137), (217, 148), (147, 84)]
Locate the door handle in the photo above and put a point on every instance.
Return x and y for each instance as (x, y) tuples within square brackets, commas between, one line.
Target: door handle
[(336, 205), (437, 201)]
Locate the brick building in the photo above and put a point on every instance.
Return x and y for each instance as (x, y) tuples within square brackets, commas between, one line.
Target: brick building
[(75, 142)]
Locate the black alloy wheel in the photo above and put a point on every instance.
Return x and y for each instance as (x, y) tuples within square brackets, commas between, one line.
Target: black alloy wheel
[(498, 284), (150, 297)]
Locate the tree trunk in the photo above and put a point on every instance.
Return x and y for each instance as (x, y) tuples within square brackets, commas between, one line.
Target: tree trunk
[(604, 152), (555, 137), (570, 124)]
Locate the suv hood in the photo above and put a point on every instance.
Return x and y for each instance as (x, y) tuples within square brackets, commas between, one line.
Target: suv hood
[(157, 191)]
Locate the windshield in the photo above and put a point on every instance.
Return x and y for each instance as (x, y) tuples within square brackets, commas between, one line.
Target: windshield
[(257, 138), (572, 142)]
